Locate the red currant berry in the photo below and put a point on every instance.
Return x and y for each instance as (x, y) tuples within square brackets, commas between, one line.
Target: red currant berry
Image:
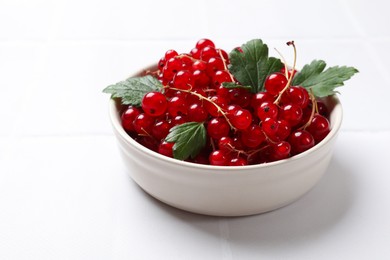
[(149, 142), (177, 105), (283, 131), (154, 103), (222, 91), (202, 43), (261, 97), (161, 129), (219, 158), (183, 80), (241, 119), (275, 83), (128, 117), (267, 109), (224, 54), (300, 140), (199, 65), (143, 124), (213, 110), (221, 76), (270, 127), (280, 150), (253, 136), (166, 149), (202, 158), (238, 161), (192, 98), (296, 95), (292, 114), (240, 96), (319, 127), (218, 127), (201, 79), (170, 54), (195, 53), (197, 113), (178, 120), (208, 53), (225, 144), (322, 109), (214, 64), (161, 63)]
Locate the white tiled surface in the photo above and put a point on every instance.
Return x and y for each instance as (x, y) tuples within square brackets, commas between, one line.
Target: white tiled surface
[(64, 193)]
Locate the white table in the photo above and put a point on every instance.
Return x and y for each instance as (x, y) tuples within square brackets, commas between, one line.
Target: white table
[(64, 193)]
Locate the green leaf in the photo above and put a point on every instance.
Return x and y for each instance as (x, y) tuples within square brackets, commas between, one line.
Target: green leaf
[(132, 90), (230, 85), (189, 139), (323, 82), (252, 66)]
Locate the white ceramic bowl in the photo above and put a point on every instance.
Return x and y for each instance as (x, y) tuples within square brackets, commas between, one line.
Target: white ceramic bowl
[(224, 190)]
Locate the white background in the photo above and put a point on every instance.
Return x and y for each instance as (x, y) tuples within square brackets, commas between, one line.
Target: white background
[(64, 193)]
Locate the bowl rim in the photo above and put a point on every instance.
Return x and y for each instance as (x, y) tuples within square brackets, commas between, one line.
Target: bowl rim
[(336, 115)]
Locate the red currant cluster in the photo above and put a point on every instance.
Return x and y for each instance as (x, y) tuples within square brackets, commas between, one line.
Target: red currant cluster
[(242, 127)]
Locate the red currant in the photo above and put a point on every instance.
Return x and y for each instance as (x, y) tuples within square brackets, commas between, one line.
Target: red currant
[(197, 113), (202, 43), (154, 103), (319, 127), (219, 158), (218, 127), (128, 117), (166, 148), (300, 140), (253, 136), (241, 119), (275, 83)]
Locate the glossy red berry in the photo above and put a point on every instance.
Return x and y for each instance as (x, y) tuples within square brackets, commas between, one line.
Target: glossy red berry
[(253, 136), (225, 143), (241, 119), (267, 109), (218, 127), (197, 113), (160, 129), (213, 110), (143, 124), (213, 65), (128, 117), (300, 140), (183, 80), (208, 52), (238, 161), (166, 148), (319, 127), (296, 95), (292, 114), (154, 103), (219, 158), (259, 98), (177, 105), (202, 43), (221, 76), (280, 150), (275, 83)]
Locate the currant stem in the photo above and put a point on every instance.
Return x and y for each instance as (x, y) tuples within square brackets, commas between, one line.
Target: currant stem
[(314, 109), (291, 76), (284, 62), (224, 65), (220, 110)]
